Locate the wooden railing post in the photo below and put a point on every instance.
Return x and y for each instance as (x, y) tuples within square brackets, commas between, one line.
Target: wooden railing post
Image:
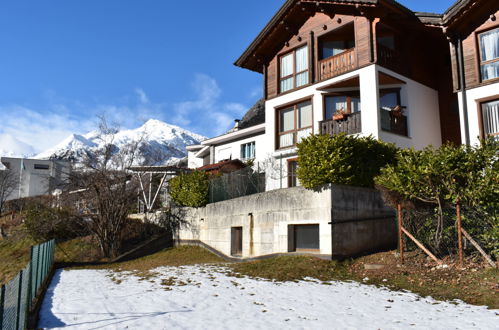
[(401, 238), (459, 233)]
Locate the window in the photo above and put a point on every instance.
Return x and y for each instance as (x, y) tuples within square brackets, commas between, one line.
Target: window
[(292, 177), (248, 150), (489, 54), (490, 119), (335, 47), (347, 102), (295, 123), (41, 167), (391, 120), (294, 69)]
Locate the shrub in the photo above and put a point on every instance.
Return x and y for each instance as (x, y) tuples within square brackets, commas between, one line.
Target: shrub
[(342, 159), (190, 189), (45, 223), (441, 177)]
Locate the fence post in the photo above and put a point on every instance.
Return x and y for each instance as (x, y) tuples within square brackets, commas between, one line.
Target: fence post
[(29, 296), (459, 233), (19, 295), (2, 303), (37, 268), (401, 238)]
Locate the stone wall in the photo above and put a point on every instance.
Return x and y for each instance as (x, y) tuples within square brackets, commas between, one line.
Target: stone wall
[(351, 221)]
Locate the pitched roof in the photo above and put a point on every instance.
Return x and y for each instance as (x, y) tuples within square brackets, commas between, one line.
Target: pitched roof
[(291, 9)]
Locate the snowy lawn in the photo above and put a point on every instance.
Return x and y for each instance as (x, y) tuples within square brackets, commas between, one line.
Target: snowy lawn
[(205, 297)]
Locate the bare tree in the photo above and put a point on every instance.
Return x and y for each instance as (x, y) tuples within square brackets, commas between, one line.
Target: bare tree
[(107, 188), (8, 182)]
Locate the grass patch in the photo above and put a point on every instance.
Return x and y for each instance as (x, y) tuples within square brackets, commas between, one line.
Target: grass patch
[(14, 253), (179, 256), (293, 268)]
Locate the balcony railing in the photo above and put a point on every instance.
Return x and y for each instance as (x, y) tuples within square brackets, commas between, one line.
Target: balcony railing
[(391, 59), (349, 125), (393, 124), (338, 64)]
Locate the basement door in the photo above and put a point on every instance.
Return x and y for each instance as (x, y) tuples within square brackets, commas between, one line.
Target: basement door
[(236, 241)]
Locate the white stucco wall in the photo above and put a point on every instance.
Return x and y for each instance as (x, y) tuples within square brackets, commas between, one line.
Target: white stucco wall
[(193, 162), (232, 149), (473, 95), (422, 112), (423, 115)]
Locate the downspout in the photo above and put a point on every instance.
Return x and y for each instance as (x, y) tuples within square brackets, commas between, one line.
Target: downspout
[(458, 46)]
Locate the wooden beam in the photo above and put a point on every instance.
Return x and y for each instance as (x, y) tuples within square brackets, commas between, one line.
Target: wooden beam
[(479, 248), (421, 246)]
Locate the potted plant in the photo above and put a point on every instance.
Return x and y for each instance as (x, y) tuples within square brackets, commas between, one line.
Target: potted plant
[(339, 114), (397, 111)]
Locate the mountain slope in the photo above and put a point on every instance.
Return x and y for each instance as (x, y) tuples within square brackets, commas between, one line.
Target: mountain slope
[(159, 143), (12, 147)]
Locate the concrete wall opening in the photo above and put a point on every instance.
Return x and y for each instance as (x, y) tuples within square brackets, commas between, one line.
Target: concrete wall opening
[(236, 241), (303, 238)]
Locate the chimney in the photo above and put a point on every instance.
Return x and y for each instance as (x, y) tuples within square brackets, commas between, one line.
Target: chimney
[(236, 124)]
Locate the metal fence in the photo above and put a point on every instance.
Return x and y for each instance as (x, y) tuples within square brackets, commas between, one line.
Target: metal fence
[(17, 296), (244, 182), (450, 234)]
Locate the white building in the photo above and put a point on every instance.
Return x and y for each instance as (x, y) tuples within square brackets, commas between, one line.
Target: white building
[(246, 141), (35, 177)]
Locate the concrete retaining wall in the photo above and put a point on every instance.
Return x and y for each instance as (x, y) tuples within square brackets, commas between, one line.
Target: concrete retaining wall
[(351, 221)]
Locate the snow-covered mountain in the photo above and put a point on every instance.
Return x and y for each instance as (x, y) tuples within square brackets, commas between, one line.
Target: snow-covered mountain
[(12, 147), (161, 143)]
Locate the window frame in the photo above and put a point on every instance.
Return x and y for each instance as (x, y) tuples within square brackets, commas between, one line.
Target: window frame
[(480, 60), (291, 182), (479, 103), (295, 130), (397, 90), (294, 74), (348, 94), (242, 148)]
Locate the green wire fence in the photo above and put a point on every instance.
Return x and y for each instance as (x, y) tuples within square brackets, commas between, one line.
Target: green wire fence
[(17, 296)]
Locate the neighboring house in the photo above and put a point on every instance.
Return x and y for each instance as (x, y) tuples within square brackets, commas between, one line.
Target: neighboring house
[(472, 27), (372, 61), (245, 141), (36, 177)]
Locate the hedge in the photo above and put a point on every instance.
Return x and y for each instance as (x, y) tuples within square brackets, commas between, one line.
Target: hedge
[(342, 159)]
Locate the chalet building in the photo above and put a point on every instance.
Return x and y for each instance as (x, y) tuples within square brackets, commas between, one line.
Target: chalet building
[(472, 28), (245, 141), (369, 67)]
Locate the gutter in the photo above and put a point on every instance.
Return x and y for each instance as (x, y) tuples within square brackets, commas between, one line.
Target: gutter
[(458, 47)]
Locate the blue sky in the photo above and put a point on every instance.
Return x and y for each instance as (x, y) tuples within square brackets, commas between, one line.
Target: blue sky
[(63, 62)]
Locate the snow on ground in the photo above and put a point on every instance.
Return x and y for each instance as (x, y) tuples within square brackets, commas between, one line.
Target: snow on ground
[(204, 297)]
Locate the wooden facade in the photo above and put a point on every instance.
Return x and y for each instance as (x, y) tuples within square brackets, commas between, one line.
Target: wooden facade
[(425, 60), (471, 52), (416, 48)]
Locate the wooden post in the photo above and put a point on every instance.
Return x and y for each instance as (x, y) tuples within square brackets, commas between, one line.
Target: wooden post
[(401, 238), (459, 233), (477, 246), (422, 247)]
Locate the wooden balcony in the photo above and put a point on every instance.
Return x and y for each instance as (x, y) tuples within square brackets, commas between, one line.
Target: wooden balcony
[(391, 59), (350, 125), (338, 64)]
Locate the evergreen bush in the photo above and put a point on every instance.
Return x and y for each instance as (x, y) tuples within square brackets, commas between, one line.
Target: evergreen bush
[(342, 159), (190, 189)]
